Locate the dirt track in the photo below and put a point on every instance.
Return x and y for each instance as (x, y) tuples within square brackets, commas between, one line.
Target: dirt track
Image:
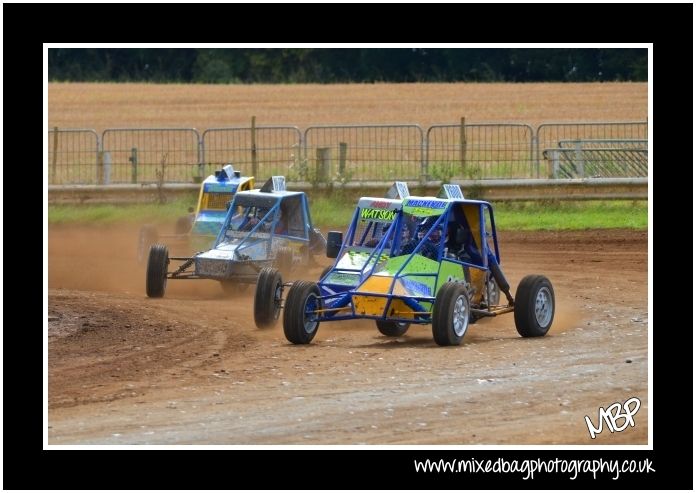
[(191, 368)]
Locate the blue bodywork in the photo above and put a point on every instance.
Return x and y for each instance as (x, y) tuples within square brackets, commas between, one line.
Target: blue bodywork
[(255, 227), (371, 264)]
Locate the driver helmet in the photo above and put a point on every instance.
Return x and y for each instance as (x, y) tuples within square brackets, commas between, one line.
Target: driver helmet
[(436, 236), (425, 226)]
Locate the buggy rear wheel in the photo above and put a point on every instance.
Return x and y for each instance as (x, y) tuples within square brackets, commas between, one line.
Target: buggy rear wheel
[(392, 329), (156, 277), (534, 306), (451, 313), (494, 290), (268, 297), (300, 323)]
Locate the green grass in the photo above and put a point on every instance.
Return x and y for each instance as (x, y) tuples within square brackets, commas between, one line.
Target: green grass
[(336, 213), (530, 216), (119, 213)]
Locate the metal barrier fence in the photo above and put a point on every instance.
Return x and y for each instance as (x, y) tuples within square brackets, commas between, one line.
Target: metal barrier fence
[(349, 153), (263, 151), (73, 156), (549, 135), (362, 153), (138, 155), (599, 158), (482, 150)]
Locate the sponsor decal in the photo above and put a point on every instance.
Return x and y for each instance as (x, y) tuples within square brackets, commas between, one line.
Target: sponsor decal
[(217, 188), (342, 278), (429, 204), (424, 207), (378, 214), (416, 287)]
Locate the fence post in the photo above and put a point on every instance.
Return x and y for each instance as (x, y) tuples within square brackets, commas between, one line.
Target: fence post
[(323, 166), (532, 154), (425, 157), (553, 172), (134, 164), (100, 168), (579, 159), (54, 162), (342, 153), (106, 157), (254, 163), (201, 156), (462, 145)]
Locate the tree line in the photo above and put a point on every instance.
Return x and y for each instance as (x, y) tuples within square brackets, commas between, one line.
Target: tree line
[(332, 65)]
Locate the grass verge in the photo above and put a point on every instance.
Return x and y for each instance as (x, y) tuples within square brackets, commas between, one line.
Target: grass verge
[(336, 213)]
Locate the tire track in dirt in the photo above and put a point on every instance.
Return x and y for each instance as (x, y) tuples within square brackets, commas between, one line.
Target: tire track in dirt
[(215, 378)]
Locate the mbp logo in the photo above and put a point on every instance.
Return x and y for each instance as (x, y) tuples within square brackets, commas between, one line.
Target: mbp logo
[(612, 414)]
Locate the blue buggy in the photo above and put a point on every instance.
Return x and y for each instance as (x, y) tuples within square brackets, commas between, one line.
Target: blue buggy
[(264, 227), (414, 260), (198, 230)]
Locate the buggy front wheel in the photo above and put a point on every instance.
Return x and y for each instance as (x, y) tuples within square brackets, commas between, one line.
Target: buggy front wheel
[(451, 313), (268, 297), (156, 277), (300, 320)]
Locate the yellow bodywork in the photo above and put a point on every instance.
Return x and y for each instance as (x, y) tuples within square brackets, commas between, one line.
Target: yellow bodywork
[(377, 284), (218, 201), (375, 305), (369, 305)]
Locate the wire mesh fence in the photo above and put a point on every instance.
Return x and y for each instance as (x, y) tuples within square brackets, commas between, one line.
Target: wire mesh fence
[(357, 153), (259, 151), (362, 153), (139, 155), (599, 158), (550, 136), (73, 156), (480, 151)]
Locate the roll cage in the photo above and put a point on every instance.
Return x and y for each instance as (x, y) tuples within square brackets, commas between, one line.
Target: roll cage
[(359, 259), (258, 216)]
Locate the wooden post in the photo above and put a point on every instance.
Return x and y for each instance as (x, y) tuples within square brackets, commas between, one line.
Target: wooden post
[(134, 164), (54, 161), (342, 153), (462, 145), (254, 163), (323, 167)]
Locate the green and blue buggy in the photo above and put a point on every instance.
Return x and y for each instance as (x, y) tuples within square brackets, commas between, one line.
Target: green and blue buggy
[(264, 227), (413, 260)]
